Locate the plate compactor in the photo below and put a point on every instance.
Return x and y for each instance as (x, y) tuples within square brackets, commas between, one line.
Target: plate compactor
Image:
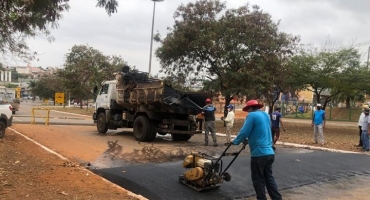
[(205, 171)]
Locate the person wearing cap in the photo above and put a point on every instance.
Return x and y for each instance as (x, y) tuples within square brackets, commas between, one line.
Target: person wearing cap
[(318, 124), (257, 131), (209, 121), (229, 121), (276, 122), (365, 130), (360, 122)]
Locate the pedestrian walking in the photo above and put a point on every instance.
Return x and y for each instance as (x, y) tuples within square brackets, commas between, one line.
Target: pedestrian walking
[(257, 130), (318, 124), (276, 122), (360, 122), (365, 130), (209, 121), (229, 121)]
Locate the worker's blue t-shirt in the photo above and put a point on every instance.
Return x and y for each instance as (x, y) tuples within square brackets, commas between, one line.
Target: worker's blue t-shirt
[(257, 129), (318, 117), (275, 119)]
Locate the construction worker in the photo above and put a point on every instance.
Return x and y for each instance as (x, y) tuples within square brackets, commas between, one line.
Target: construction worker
[(257, 130), (209, 121), (229, 121), (276, 122), (318, 124), (360, 122), (199, 120)]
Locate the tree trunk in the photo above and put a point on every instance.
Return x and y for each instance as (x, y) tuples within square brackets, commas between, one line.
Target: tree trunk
[(80, 102), (348, 102)]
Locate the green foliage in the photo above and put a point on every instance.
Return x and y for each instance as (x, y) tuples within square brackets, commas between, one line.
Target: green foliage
[(29, 18), (238, 51), (110, 6), (23, 19), (337, 71), (86, 67), (47, 86)]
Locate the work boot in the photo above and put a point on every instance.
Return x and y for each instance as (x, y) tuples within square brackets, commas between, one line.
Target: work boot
[(206, 144), (215, 144)]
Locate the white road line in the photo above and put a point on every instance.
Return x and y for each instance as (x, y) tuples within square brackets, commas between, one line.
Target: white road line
[(64, 158)]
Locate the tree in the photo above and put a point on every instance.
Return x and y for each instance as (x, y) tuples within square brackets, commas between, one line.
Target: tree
[(47, 86), (23, 19), (329, 70), (86, 67), (237, 50)]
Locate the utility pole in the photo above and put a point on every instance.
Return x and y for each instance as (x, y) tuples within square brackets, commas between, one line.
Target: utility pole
[(368, 55)]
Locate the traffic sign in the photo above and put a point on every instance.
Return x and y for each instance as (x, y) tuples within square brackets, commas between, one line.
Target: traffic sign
[(59, 97)]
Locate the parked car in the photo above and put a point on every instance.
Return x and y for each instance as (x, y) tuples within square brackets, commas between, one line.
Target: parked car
[(6, 117)]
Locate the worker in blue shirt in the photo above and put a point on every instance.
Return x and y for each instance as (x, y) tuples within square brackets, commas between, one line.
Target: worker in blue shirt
[(318, 124), (257, 130)]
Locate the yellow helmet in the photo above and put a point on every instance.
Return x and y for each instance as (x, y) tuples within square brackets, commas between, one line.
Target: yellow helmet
[(365, 106)]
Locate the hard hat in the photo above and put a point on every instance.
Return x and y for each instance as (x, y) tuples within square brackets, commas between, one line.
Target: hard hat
[(318, 105), (208, 100), (230, 106), (365, 106), (252, 103)]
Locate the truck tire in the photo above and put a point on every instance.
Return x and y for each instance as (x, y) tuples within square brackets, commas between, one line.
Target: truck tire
[(2, 129), (143, 129), (180, 137), (101, 123)]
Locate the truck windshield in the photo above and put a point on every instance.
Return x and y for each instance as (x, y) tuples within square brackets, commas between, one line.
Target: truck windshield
[(104, 89)]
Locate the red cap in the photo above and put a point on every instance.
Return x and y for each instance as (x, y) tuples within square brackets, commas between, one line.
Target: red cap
[(208, 100)]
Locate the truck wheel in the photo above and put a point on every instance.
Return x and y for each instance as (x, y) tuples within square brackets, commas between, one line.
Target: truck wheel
[(180, 137), (101, 124), (2, 129), (153, 133), (143, 129)]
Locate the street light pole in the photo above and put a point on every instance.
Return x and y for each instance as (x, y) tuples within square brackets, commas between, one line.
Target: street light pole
[(368, 56), (151, 38)]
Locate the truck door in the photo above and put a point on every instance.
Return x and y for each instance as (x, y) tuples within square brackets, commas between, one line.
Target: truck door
[(103, 100)]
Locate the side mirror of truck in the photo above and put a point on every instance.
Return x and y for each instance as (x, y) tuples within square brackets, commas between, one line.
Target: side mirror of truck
[(94, 90)]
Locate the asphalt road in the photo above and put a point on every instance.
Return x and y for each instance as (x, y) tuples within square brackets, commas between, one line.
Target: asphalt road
[(292, 168)]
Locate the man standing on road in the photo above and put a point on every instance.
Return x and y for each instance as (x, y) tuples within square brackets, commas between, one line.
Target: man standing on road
[(276, 122), (318, 124), (360, 122), (229, 121), (365, 130), (257, 130), (209, 121)]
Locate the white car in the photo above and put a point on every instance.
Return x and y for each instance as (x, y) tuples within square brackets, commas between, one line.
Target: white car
[(6, 117)]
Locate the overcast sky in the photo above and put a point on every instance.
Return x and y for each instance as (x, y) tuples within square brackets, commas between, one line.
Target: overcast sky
[(127, 33)]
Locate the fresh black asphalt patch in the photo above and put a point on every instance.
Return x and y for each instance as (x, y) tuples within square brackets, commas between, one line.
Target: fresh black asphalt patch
[(292, 168)]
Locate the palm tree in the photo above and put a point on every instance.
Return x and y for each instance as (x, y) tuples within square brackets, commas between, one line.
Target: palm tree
[(109, 5)]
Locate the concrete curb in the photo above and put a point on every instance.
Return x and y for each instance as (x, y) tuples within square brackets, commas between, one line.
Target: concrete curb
[(66, 159)]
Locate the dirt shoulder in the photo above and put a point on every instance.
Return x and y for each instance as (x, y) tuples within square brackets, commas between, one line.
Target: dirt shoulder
[(29, 172)]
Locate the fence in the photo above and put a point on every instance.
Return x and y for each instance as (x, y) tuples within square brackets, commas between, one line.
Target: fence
[(305, 111)]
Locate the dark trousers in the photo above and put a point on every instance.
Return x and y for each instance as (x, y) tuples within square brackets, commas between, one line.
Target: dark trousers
[(262, 178), (200, 122), (360, 131)]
